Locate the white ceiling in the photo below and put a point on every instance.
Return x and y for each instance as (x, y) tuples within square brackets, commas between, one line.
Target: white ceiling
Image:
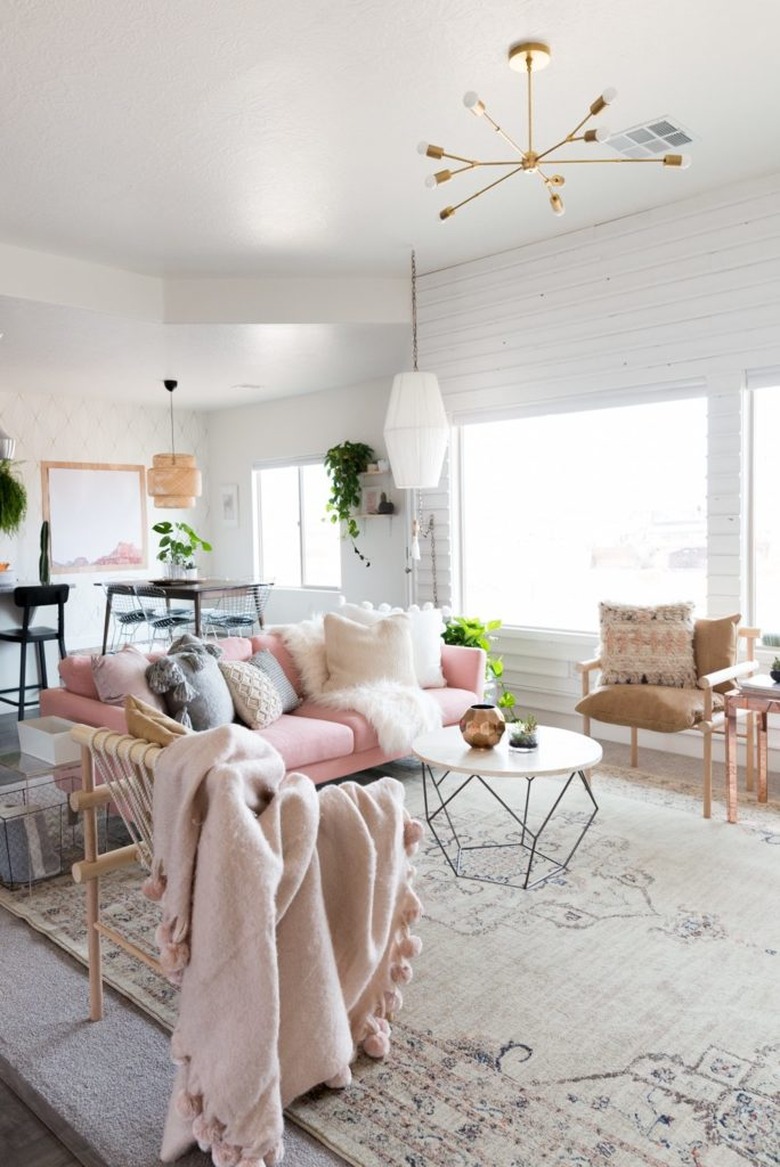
[(206, 138)]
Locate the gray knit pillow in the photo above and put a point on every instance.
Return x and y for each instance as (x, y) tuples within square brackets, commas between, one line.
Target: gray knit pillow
[(267, 663)]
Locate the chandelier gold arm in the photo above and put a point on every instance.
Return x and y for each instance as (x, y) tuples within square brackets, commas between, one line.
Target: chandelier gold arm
[(449, 211)]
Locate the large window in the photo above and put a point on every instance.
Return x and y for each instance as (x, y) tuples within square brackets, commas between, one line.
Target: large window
[(563, 510), (766, 525), (299, 546)]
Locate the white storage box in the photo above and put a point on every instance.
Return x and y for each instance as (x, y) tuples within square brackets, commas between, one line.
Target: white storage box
[(49, 738)]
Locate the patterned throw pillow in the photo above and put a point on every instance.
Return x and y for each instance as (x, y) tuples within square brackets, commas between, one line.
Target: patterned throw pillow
[(647, 645), (254, 694), (268, 664)]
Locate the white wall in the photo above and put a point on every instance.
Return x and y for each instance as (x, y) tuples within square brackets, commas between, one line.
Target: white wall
[(71, 429), (240, 439), (688, 293)]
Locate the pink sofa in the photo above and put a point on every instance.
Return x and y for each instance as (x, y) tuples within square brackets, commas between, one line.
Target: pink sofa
[(320, 742)]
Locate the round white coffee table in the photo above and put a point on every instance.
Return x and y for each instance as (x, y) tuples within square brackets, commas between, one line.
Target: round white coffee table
[(560, 752)]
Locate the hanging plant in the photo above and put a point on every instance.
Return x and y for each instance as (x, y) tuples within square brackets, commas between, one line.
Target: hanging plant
[(13, 498), (344, 465)]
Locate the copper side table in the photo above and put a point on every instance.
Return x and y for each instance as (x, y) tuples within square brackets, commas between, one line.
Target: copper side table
[(758, 694)]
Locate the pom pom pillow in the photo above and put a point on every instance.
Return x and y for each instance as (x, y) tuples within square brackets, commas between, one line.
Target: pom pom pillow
[(193, 688)]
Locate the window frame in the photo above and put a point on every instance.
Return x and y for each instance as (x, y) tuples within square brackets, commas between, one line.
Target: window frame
[(575, 403), (299, 464)]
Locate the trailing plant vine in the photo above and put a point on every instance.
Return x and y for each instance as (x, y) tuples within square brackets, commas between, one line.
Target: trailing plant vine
[(13, 498), (344, 465)]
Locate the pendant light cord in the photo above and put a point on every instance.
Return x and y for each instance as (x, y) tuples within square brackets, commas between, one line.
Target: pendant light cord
[(173, 447), (414, 313)]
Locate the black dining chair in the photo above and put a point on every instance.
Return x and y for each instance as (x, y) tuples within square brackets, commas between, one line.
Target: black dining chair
[(29, 599)]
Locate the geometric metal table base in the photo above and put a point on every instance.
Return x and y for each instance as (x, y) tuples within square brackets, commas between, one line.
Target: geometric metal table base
[(528, 841)]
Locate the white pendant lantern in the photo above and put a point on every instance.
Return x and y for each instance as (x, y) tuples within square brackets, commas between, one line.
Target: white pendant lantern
[(174, 480), (416, 428)]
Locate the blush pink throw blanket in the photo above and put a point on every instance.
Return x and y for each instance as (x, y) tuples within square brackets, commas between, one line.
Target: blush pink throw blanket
[(285, 918)]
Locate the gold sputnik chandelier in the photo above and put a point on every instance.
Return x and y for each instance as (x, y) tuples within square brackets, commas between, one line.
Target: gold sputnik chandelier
[(529, 56)]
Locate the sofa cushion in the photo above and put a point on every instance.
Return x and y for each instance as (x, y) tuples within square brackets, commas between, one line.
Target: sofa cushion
[(363, 733), (304, 740), (427, 625), (193, 688), (255, 697), (150, 724), (715, 646), (647, 645), (662, 708), (269, 665), (357, 654), (121, 674)]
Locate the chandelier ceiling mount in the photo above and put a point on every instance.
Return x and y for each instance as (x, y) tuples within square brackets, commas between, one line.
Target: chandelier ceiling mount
[(529, 57)]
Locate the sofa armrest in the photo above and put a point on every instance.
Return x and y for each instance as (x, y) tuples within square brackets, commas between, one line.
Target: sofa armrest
[(464, 668)]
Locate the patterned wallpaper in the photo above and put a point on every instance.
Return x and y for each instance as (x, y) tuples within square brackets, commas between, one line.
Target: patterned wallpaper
[(48, 428)]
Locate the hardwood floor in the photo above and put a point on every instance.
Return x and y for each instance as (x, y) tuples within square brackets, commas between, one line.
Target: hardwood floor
[(27, 1135)]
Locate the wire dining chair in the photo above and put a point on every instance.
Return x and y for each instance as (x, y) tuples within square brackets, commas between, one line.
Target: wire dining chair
[(128, 618), (237, 613), (162, 621)]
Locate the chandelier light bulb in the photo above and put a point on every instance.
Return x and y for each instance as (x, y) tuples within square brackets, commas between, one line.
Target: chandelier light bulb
[(472, 102), (599, 135), (556, 202)]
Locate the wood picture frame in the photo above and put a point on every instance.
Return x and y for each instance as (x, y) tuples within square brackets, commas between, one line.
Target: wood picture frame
[(369, 501), (97, 516)]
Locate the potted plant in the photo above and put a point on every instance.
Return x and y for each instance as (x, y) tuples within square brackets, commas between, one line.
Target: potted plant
[(522, 733), (178, 544), (473, 633), (774, 672), (13, 498), (344, 465)]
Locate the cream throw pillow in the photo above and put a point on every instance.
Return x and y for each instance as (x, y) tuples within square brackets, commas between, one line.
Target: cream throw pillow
[(647, 645), (427, 625), (254, 694), (358, 654)]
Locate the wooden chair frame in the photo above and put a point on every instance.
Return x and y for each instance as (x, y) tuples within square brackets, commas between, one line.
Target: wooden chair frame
[(713, 721), (125, 767)]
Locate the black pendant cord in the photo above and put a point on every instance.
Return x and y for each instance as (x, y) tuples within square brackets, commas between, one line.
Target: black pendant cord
[(170, 386)]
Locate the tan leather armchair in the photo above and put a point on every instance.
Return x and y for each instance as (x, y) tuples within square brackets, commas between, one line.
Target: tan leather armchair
[(665, 709)]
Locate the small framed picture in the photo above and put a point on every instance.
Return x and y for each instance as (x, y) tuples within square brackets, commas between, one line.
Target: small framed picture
[(228, 497), (370, 502)]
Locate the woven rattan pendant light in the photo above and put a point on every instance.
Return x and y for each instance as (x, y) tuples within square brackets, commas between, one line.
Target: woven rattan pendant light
[(174, 480)]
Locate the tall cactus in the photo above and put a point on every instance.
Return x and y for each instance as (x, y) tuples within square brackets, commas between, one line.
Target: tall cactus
[(44, 572)]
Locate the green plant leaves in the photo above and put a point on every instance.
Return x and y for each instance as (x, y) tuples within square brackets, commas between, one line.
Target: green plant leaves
[(13, 499)]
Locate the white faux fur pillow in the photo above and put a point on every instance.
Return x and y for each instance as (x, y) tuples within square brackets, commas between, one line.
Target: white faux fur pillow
[(358, 654), (305, 642)]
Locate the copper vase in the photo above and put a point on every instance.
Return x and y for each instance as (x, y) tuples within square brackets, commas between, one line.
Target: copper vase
[(482, 726)]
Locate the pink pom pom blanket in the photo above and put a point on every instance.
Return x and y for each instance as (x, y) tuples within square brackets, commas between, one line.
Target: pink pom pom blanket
[(285, 918)]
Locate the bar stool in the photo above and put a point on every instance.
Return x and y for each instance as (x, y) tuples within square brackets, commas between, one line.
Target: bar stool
[(28, 598)]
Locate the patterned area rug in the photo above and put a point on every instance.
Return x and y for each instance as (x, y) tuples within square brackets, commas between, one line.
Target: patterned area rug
[(622, 1013)]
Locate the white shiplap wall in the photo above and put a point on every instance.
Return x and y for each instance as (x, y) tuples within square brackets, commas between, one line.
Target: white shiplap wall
[(681, 296)]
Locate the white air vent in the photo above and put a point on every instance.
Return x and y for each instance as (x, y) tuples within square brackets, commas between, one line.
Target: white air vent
[(650, 139)]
